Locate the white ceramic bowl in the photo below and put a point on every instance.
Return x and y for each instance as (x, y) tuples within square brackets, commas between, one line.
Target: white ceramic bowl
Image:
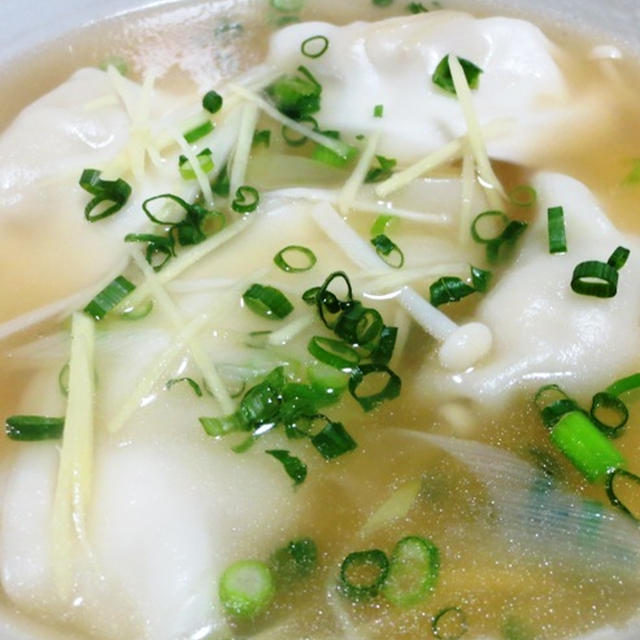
[(29, 23)]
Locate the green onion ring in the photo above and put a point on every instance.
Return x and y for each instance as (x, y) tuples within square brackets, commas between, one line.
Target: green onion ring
[(246, 200), (335, 353), (362, 590), (613, 496), (523, 195), (609, 401), (594, 278), (282, 263), (391, 389), (311, 49), (444, 617)]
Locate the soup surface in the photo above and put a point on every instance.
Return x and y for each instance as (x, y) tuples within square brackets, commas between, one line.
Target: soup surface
[(225, 400)]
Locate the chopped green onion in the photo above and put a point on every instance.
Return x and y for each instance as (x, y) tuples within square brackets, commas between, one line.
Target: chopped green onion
[(109, 298), (116, 192), (632, 510), (511, 231), (633, 177), (386, 345), (327, 302), (480, 278), (283, 21), (63, 379), (624, 384), (287, 5), (413, 571), (246, 200), (157, 246), (204, 160), (363, 573), (198, 132), (449, 289), (285, 265), (556, 230), (382, 3), (360, 326), (295, 561), (523, 196), (382, 172), (442, 75), (333, 441), (221, 185), (34, 428), (329, 157), (417, 7), (192, 383), (378, 111), (594, 278), (294, 467), (553, 403), (119, 63), (607, 404), (619, 258), (449, 624), (297, 96), (335, 353), (246, 588), (372, 400), (217, 427), (380, 225), (590, 451), (137, 312), (262, 137), (315, 46), (267, 301), (386, 248), (327, 381), (212, 101)]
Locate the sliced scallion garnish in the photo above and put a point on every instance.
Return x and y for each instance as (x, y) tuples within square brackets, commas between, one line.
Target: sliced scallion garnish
[(506, 235), (556, 230), (294, 467), (413, 571), (599, 279), (315, 46), (629, 383), (382, 171), (295, 561), (442, 74), (198, 132), (267, 301), (190, 381), (378, 111), (109, 298), (247, 200), (333, 441), (609, 414), (138, 311), (287, 5), (221, 186), (380, 224), (382, 3), (630, 505), (262, 137), (417, 7), (329, 157), (590, 451), (308, 257), (212, 101), (523, 196), (34, 428), (205, 161), (297, 96), (388, 250), (335, 353), (246, 588), (452, 289), (372, 399), (449, 624), (161, 247), (113, 192), (363, 573)]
